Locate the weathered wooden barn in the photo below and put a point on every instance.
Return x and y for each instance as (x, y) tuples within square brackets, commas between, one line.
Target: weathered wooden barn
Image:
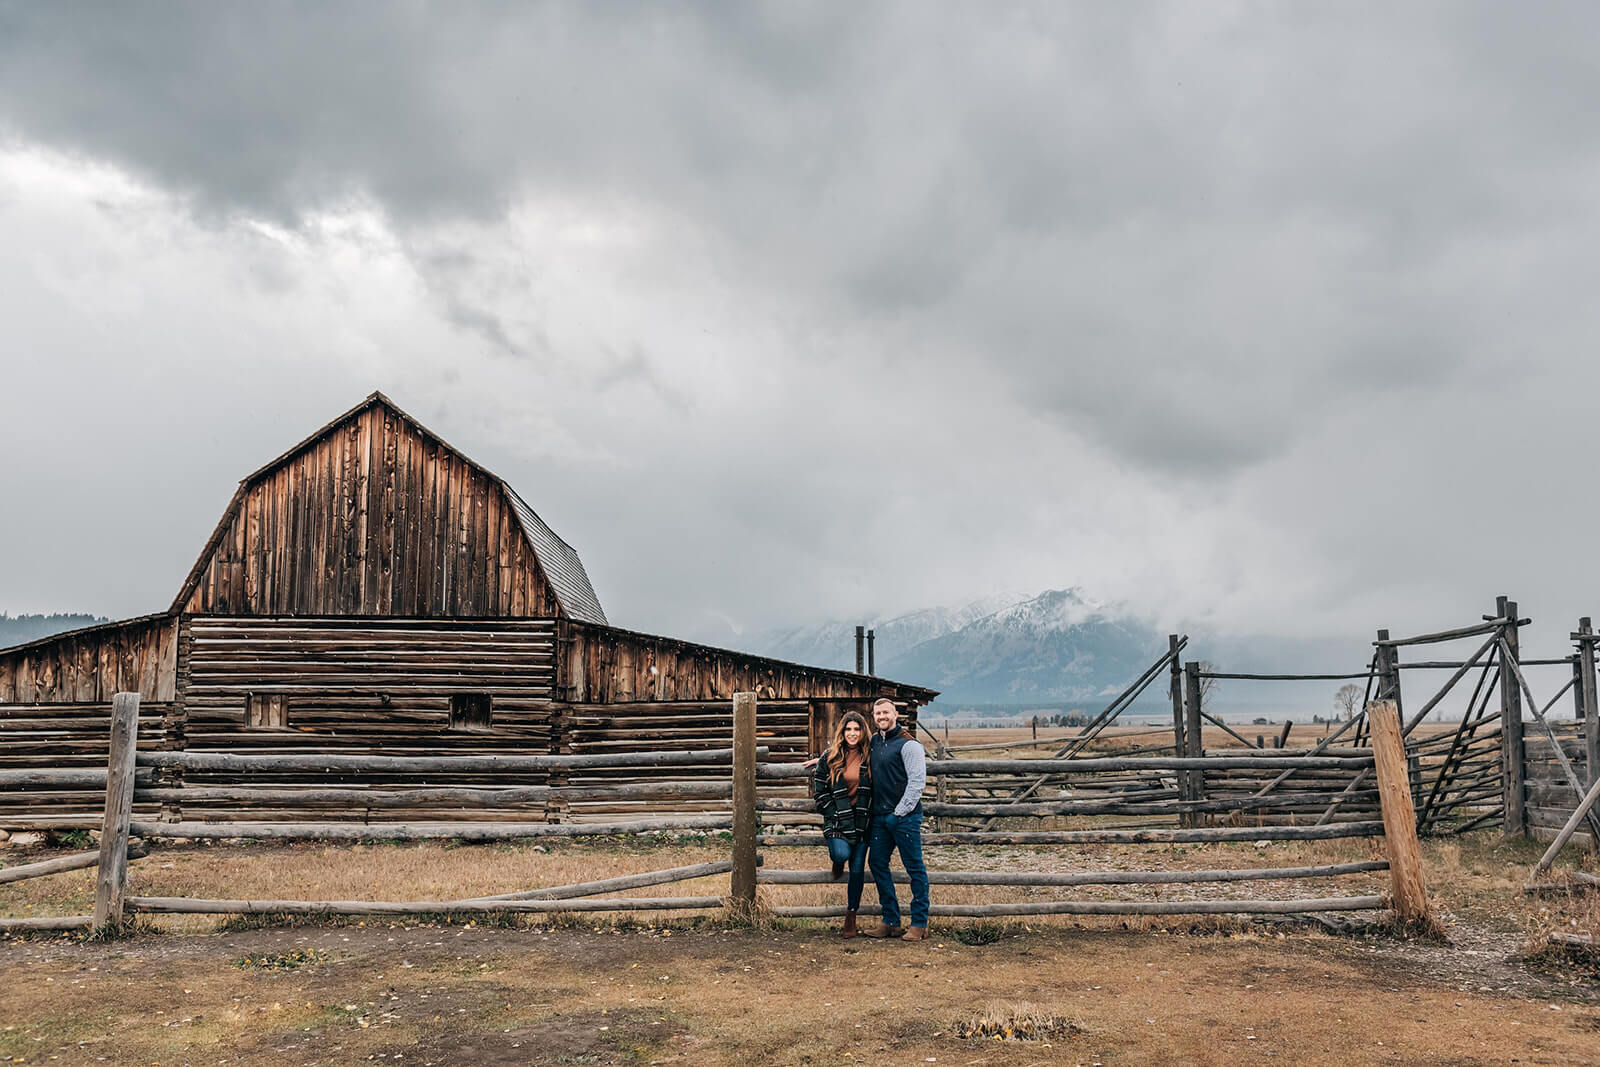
[(374, 590)]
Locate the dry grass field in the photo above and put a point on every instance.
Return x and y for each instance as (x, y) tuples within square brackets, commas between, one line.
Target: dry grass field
[(652, 988)]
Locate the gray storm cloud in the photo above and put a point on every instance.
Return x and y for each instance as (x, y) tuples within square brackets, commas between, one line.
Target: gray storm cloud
[(1225, 249)]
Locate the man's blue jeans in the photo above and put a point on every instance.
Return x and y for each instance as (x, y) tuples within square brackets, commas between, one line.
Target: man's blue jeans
[(853, 854), (902, 832)]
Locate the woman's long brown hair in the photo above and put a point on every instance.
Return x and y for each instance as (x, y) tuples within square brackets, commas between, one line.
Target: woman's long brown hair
[(837, 750)]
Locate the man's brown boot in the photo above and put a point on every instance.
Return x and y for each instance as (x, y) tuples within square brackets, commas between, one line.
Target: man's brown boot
[(915, 933), (883, 930), (849, 925)]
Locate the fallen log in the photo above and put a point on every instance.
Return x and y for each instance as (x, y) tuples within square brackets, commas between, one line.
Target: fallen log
[(460, 831), (782, 876), (1113, 907), (76, 861), (1163, 835), (616, 885), (66, 922), (1559, 938), (197, 906)]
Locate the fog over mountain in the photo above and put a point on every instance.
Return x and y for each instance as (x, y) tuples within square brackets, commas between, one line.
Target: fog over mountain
[(1063, 649)]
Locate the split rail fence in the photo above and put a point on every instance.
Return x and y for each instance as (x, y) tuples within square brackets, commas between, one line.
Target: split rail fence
[(1508, 762), (129, 778)]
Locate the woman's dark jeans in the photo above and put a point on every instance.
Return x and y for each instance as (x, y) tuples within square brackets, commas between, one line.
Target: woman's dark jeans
[(853, 854)]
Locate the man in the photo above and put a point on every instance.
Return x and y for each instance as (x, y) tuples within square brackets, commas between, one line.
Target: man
[(899, 771)]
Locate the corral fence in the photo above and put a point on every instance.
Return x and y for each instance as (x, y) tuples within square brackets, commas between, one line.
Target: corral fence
[(130, 778), (1511, 761)]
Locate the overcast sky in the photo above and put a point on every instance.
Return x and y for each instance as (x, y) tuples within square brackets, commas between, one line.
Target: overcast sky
[(1271, 318)]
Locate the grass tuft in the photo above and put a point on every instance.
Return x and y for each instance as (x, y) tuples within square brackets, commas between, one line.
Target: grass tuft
[(981, 932), (1016, 1022), (283, 961)]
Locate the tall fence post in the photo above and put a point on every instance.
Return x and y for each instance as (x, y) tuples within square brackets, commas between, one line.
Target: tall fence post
[(112, 877), (742, 899), (1591, 709), (1388, 670), (1399, 814), (1513, 754), (1175, 690), (1194, 781)]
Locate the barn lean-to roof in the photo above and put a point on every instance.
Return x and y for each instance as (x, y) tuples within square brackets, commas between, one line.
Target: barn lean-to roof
[(562, 568)]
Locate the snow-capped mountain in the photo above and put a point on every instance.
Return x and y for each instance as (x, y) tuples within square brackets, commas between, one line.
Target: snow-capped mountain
[(1011, 648), (832, 644)]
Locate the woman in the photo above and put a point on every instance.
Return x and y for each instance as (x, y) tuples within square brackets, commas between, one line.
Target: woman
[(842, 788)]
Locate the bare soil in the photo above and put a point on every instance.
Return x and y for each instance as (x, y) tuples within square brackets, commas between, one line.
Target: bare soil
[(472, 995), (652, 988)]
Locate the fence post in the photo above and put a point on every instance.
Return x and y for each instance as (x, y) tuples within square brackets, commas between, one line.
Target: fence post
[(1195, 781), (1399, 814), (112, 876), (742, 899), (1513, 754), (1175, 688), (1591, 709), (1388, 672)]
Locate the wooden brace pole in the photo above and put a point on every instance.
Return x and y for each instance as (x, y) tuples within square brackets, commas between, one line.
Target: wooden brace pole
[(1399, 814), (1577, 816), (112, 878)]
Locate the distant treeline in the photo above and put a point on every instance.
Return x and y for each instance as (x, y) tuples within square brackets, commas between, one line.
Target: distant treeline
[(20, 629)]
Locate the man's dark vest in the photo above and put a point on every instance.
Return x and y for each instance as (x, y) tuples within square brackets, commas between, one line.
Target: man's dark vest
[(889, 772)]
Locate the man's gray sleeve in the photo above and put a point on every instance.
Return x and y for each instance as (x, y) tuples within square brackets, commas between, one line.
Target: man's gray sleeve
[(916, 761)]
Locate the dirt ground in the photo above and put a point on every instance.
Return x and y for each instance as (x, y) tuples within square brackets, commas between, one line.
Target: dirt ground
[(678, 989), (475, 995)]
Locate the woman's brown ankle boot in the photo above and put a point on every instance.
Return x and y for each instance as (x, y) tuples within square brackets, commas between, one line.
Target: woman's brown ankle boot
[(849, 925)]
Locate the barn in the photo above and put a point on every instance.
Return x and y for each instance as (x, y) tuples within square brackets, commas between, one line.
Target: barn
[(373, 590)]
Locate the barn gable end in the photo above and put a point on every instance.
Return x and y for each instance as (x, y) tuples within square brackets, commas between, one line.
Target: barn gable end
[(375, 515)]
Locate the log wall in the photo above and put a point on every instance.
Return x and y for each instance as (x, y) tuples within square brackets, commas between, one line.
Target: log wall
[(92, 665), (1550, 797), (372, 686), (61, 736), (605, 665), (372, 517)]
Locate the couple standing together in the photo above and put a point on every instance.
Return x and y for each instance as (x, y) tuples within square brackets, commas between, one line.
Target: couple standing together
[(868, 789)]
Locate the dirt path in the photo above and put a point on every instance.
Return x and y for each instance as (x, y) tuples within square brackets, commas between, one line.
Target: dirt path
[(451, 995)]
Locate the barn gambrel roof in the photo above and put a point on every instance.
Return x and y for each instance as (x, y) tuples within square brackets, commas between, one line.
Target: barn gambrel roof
[(558, 560)]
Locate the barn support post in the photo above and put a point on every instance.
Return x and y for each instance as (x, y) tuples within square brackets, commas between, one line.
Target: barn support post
[(742, 895), (1513, 753), (1591, 706), (175, 723), (1195, 789), (1399, 814), (112, 878)]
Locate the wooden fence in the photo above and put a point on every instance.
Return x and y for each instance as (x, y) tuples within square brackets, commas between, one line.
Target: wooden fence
[(1507, 763), (130, 772)]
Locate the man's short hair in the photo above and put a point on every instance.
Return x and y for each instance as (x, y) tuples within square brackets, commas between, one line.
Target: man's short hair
[(885, 700)]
